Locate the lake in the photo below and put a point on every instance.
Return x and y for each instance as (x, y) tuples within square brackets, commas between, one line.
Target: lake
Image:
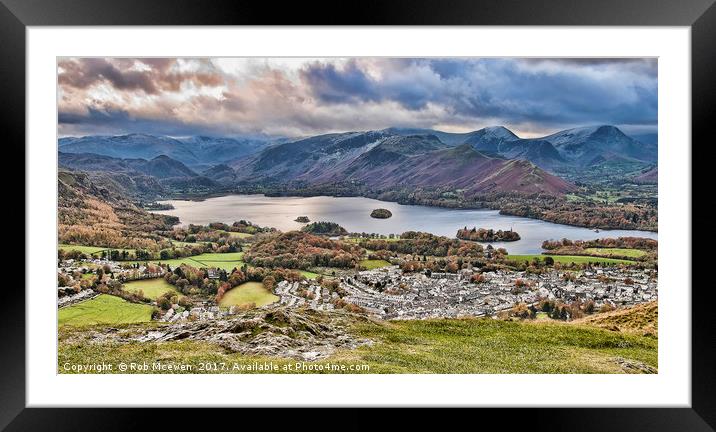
[(353, 213)]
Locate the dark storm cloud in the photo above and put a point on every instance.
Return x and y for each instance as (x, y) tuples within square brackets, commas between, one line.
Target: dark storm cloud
[(647, 66), (347, 85), (109, 122), (447, 68), (550, 91), (353, 84), (563, 95), (591, 60)]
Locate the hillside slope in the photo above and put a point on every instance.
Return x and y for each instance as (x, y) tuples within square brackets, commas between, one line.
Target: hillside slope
[(461, 168), (572, 148), (649, 177), (377, 159), (640, 319), (589, 145), (138, 178), (92, 214)]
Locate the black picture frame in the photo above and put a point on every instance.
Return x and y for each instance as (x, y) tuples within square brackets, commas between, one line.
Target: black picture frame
[(699, 15)]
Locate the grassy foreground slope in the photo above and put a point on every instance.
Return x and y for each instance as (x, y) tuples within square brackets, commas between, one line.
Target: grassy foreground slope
[(642, 319), (493, 346), (476, 345)]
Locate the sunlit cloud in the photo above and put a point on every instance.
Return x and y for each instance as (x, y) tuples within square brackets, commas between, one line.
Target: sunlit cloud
[(301, 96)]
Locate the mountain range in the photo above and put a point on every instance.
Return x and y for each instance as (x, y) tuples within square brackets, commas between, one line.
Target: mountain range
[(137, 177), (196, 151), (576, 148), (161, 167), (378, 159), (492, 159)]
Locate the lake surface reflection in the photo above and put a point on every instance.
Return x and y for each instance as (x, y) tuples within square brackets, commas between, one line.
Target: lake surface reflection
[(353, 214)]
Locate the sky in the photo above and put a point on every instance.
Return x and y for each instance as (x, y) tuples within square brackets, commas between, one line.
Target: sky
[(295, 97)]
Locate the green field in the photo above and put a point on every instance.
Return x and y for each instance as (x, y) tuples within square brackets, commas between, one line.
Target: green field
[(374, 264), (622, 252), (247, 293), (237, 234), (567, 259), (309, 274), (226, 261), (178, 243), (447, 346), (176, 262), (92, 250), (89, 250), (104, 309), (152, 288), (359, 239), (221, 257)]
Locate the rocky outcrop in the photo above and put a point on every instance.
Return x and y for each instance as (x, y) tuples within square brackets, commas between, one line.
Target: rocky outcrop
[(635, 366), (68, 300), (303, 334)]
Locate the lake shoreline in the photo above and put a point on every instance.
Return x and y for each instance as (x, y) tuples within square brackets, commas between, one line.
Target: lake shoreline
[(354, 214), (460, 206)]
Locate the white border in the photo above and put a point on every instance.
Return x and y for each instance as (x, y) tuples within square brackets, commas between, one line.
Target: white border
[(671, 387)]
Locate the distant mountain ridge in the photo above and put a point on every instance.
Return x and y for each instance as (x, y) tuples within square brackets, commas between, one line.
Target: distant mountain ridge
[(161, 167), (195, 151), (587, 145), (490, 138), (382, 160), (492, 159), (576, 148), (137, 177), (449, 138), (571, 148)]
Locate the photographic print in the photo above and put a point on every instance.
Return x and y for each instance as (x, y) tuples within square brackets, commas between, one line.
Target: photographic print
[(357, 215)]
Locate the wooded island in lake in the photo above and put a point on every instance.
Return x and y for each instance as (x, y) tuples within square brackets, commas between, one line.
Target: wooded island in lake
[(381, 213), (487, 235)]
